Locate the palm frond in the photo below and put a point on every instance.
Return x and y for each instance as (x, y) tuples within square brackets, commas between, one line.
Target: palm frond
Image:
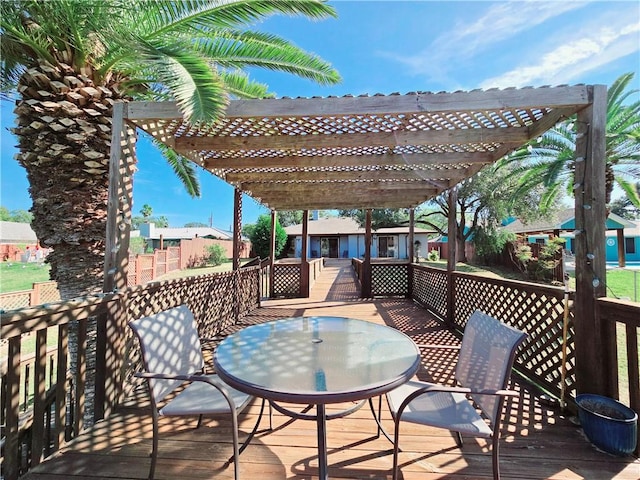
[(237, 83), (197, 89), (183, 168), (160, 18), (233, 49)]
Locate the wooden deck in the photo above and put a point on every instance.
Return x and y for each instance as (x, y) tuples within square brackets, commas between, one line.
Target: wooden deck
[(538, 442)]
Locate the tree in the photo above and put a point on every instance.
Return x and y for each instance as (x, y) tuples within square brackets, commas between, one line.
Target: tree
[(146, 210), (624, 208), (195, 225), (291, 217), (160, 222), (260, 236), (68, 61), (20, 216), (380, 217), (549, 160), (483, 200)]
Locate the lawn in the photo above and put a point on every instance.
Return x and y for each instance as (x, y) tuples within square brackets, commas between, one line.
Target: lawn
[(16, 276)]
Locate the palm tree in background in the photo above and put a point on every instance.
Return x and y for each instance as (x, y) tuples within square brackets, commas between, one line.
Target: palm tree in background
[(67, 61), (550, 160)]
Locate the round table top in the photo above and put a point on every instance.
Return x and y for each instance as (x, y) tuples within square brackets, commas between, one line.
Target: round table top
[(316, 360)]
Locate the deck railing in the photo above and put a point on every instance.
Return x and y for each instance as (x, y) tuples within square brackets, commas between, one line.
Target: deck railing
[(623, 353), (57, 415)]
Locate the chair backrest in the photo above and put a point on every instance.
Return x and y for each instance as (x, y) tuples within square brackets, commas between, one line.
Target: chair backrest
[(486, 356), (170, 344)]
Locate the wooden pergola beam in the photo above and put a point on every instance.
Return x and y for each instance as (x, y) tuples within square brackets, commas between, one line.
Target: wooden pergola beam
[(400, 187), (303, 204), (319, 161), (508, 135), (347, 176), (479, 100)]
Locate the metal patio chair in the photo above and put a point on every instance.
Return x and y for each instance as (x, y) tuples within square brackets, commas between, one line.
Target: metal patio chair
[(173, 362), (475, 406)]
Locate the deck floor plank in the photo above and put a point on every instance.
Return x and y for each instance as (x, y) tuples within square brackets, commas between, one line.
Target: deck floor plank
[(538, 442)]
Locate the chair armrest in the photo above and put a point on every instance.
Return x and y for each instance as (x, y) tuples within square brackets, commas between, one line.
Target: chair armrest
[(433, 388), (184, 378), (438, 347)]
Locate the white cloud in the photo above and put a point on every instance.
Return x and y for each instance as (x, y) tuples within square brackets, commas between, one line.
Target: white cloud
[(593, 47), (499, 22)]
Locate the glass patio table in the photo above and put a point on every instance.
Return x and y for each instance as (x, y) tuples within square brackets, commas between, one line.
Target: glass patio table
[(317, 361)]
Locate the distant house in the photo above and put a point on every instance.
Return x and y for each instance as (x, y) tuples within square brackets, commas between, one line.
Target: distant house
[(17, 233), (340, 237), (159, 238), (18, 242), (563, 225)]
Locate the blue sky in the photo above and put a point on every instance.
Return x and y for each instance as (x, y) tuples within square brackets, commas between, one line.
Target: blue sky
[(396, 46)]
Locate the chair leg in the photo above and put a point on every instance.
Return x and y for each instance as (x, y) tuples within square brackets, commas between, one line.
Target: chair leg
[(396, 435), (458, 439), (245, 444), (154, 445), (236, 448), (495, 450), (199, 421)]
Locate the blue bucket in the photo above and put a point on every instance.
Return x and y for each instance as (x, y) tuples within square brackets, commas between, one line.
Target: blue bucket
[(608, 424)]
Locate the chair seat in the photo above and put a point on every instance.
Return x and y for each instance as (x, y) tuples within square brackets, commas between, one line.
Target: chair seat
[(201, 398), (449, 410)]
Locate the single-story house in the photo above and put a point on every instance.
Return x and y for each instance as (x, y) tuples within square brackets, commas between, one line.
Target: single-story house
[(340, 237), (563, 225), (159, 238), (18, 242)]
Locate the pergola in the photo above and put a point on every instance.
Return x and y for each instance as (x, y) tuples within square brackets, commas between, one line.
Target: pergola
[(381, 151)]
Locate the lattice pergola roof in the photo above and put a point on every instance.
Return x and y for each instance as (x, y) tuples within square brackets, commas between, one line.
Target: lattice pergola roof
[(382, 151)]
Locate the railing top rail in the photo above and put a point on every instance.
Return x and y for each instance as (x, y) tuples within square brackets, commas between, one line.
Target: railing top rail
[(624, 311), (20, 321)]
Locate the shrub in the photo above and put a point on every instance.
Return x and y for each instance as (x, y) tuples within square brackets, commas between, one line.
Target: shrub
[(217, 255), (433, 255)]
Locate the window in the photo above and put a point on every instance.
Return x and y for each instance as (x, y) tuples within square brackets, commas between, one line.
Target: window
[(630, 245)]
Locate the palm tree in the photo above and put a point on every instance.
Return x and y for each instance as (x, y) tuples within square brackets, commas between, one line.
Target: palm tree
[(549, 160), (67, 62)]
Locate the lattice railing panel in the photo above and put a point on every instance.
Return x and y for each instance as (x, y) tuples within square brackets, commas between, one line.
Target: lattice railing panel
[(430, 289), (286, 280), (248, 289), (389, 279), (535, 309)]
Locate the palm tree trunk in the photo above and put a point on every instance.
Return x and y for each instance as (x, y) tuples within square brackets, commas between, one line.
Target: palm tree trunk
[(64, 133)]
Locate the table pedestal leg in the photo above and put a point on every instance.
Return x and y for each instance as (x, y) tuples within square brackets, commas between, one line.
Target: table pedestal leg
[(322, 441)]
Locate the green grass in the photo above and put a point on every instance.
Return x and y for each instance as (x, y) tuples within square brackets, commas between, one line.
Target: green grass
[(621, 283), (16, 276), (190, 272)]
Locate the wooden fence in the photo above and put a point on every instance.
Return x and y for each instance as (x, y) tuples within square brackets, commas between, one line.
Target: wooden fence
[(41, 292), (57, 415)]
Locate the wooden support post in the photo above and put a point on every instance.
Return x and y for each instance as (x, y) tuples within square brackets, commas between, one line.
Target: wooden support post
[(451, 257), (304, 260), (109, 348), (594, 343), (272, 254), (237, 227), (121, 167), (622, 261), (365, 281), (411, 252)]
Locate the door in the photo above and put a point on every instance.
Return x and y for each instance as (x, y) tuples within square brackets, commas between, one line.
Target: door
[(386, 247), (329, 247)]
